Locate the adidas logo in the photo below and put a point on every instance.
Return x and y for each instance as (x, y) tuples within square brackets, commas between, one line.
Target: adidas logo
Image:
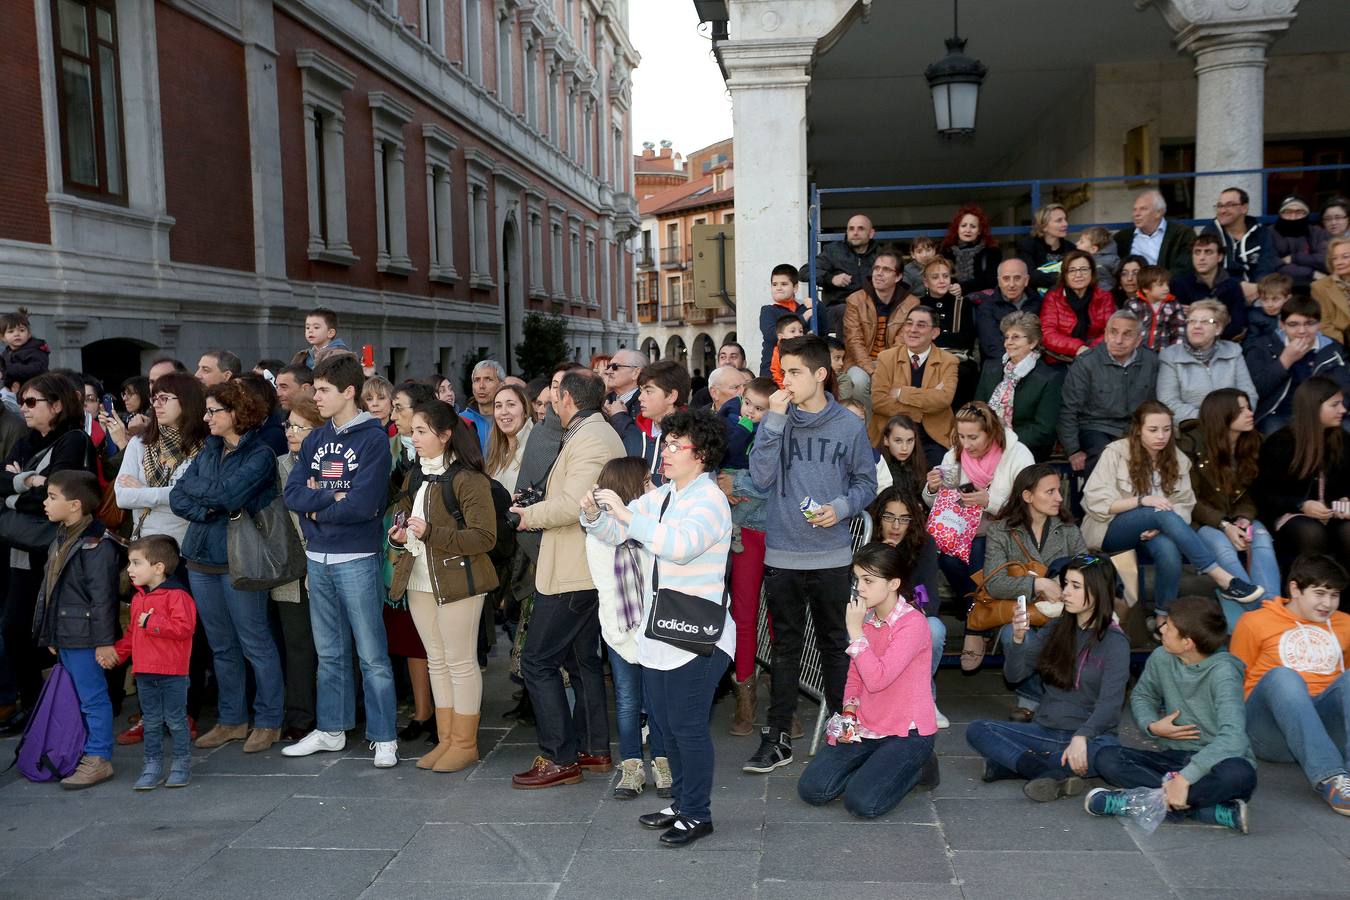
[(677, 625), (709, 630)]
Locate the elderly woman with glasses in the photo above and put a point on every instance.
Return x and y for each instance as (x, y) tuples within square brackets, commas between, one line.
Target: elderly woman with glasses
[(1024, 391), (154, 460), (234, 472), (1201, 364)]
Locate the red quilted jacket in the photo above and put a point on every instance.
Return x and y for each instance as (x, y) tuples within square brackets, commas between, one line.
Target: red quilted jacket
[(1058, 320)]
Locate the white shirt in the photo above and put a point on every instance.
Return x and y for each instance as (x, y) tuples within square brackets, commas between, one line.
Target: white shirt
[(1149, 245)]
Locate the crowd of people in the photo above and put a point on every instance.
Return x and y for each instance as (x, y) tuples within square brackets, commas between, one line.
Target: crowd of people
[(1132, 441)]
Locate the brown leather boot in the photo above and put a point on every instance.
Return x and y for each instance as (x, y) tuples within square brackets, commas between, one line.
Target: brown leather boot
[(260, 739), (463, 750), (444, 717), (222, 734), (747, 701)]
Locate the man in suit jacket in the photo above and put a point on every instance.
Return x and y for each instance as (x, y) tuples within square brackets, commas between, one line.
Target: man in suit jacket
[(1154, 238), (916, 378)]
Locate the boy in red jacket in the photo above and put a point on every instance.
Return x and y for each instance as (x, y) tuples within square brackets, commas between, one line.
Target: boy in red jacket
[(159, 643)]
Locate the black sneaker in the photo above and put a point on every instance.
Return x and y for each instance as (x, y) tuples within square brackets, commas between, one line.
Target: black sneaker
[(1240, 591), (775, 750)]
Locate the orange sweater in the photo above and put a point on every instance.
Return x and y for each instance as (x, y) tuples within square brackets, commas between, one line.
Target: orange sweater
[(1273, 636), (775, 369)]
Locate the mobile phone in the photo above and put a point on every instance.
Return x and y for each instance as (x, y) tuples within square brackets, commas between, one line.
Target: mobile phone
[(967, 488), (107, 402), (1022, 604), (367, 354), (400, 519)]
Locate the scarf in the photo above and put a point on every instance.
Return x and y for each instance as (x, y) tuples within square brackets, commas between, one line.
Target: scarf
[(66, 539), (629, 581), (163, 457), (981, 470), (1001, 400), (1079, 305), (414, 545), (964, 256), (1204, 357)]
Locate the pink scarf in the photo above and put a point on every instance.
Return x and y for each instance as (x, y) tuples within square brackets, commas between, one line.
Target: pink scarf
[(981, 471)]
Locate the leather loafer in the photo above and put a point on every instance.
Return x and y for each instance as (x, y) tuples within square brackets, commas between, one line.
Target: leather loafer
[(658, 820), (600, 763), (545, 773), (678, 837)]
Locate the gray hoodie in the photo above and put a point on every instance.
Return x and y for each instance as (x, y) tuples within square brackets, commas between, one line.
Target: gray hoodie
[(824, 456), (1092, 707)]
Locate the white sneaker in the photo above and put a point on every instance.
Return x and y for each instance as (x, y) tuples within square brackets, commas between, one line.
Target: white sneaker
[(315, 741), (942, 721), (386, 754)]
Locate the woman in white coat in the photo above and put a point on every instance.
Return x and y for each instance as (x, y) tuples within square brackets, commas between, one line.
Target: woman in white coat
[(155, 459)]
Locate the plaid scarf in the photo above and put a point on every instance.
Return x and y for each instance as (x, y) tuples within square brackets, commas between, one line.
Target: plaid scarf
[(628, 577), (163, 457)]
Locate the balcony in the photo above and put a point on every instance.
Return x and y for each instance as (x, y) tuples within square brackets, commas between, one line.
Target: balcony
[(646, 312), (676, 257), (672, 313), (696, 315), (645, 258)]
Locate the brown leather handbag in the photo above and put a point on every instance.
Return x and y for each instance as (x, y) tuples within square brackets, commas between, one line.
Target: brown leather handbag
[(987, 612)]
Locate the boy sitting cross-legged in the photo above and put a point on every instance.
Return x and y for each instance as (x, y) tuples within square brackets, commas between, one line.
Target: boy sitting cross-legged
[(1189, 699), (1298, 695)]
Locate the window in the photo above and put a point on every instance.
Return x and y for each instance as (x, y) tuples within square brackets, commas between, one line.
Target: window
[(388, 117), (433, 23), (505, 58), (572, 122), (617, 140), (439, 146), (556, 251), (590, 270), (574, 257), (323, 84), (587, 129), (89, 96), (532, 83), (473, 40), (536, 249), (552, 101), (480, 262)]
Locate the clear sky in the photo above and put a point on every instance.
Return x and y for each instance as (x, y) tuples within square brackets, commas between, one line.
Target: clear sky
[(678, 93)]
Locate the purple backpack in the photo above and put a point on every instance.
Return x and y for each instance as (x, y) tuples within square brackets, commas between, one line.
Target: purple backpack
[(53, 740)]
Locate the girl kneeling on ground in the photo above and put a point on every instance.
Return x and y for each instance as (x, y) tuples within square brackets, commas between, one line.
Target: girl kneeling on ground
[(1084, 662), (886, 746)]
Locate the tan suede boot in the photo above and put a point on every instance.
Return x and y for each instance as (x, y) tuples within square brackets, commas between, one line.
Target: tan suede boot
[(743, 722), (464, 745), (444, 717)]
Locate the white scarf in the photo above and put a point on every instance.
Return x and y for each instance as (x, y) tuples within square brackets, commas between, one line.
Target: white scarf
[(420, 578), (1001, 400)]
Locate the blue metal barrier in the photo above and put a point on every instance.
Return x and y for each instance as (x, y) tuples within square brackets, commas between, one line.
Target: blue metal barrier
[(1035, 187)]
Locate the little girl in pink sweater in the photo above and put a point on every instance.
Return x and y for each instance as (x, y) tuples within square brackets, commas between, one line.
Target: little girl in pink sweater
[(881, 745)]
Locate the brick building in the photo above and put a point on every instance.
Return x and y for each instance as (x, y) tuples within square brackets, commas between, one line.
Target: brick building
[(186, 174)]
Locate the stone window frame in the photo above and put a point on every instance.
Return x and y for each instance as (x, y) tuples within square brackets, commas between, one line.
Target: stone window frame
[(323, 86), (535, 236), (478, 173), (557, 213), (439, 147), (590, 282), (574, 255), (388, 118)]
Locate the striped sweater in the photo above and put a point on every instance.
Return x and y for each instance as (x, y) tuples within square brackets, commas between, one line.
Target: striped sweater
[(690, 541)]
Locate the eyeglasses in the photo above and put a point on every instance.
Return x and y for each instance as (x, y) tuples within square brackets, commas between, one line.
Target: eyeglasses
[(161, 399), (213, 411), (91, 398), (1333, 217), (675, 448), (890, 269), (1202, 321), (614, 367), (291, 426), (1228, 204), (400, 408), (1078, 270), (892, 519), (31, 402)]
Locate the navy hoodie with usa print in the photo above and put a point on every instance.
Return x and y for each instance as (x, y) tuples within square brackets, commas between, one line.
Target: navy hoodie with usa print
[(353, 460)]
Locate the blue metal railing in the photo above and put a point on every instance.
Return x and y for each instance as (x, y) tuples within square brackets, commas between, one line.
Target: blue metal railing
[(1035, 187)]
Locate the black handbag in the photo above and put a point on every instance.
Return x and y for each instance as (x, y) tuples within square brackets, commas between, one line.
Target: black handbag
[(682, 620), (264, 549), (22, 530)]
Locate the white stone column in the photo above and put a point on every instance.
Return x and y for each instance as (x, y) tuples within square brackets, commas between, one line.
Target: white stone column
[(264, 131), (1229, 41), (335, 189), (381, 219), (398, 209), (313, 152)]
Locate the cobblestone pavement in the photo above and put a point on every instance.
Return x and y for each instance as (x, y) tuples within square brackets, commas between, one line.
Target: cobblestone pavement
[(332, 826)]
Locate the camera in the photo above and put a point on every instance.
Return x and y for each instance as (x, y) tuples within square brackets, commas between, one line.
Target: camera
[(526, 496)]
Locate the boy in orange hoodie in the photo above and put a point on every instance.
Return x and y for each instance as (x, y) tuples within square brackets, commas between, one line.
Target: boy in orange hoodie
[(1298, 696), (789, 326)]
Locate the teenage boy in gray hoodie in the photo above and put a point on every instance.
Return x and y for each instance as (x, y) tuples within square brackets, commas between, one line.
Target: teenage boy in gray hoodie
[(807, 446), (1189, 700)]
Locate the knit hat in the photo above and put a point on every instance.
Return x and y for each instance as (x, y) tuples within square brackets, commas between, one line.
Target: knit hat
[(1293, 201)]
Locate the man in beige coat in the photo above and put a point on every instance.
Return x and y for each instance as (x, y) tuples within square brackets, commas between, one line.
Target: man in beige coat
[(564, 628), (917, 378)]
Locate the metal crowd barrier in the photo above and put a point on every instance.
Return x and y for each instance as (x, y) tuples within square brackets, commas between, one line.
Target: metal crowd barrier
[(811, 681)]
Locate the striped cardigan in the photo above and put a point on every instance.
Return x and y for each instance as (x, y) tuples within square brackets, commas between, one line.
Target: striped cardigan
[(690, 542)]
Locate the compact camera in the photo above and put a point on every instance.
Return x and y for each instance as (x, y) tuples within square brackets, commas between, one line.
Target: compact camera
[(526, 496)]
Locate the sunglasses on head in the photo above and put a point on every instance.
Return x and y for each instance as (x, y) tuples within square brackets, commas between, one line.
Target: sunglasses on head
[(1083, 560)]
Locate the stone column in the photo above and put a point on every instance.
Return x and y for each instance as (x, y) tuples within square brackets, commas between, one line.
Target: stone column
[(1229, 40), (767, 64), (398, 209)]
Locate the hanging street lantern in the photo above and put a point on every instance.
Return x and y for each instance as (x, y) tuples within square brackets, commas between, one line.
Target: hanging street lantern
[(955, 82)]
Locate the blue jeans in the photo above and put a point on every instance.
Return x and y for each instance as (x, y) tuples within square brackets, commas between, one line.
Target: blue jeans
[(957, 573), (345, 604), (1176, 540), (1230, 779), (874, 775), (164, 702), (1287, 724), (628, 709), (91, 684), (237, 628), (680, 701), (565, 632), (1029, 749), (937, 633), (1029, 690), (1265, 570)]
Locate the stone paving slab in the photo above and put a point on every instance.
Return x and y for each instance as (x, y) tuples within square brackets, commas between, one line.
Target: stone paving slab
[(331, 825)]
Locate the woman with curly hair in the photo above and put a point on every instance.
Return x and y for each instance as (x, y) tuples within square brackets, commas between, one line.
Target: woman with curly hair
[(973, 250), (1140, 498), (234, 471)]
